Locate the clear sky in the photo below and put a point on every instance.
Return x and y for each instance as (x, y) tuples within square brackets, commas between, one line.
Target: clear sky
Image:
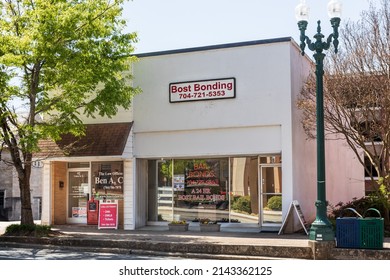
[(175, 24)]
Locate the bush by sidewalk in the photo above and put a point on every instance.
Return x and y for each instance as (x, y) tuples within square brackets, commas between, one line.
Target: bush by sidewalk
[(30, 230)]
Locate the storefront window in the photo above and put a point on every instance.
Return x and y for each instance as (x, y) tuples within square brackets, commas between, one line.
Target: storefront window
[(164, 190), (244, 190), (201, 189), (107, 180)]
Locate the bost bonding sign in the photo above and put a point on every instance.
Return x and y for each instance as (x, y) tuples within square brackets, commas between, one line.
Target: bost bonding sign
[(202, 90)]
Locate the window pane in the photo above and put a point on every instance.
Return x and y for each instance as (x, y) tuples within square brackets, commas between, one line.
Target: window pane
[(244, 190), (164, 190), (78, 194), (107, 180), (201, 189), (271, 177)]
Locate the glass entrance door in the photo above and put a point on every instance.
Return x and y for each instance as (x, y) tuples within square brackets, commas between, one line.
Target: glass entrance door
[(78, 195), (271, 194)]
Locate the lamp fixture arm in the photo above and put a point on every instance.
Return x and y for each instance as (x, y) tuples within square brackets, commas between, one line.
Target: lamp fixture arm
[(302, 25), (319, 45), (335, 22)]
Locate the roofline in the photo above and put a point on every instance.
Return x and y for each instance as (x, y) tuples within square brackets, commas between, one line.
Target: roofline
[(216, 47)]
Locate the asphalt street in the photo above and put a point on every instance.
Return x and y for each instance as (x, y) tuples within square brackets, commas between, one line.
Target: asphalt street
[(25, 252)]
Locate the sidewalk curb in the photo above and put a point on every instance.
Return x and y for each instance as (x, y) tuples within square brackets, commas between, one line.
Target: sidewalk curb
[(214, 251)]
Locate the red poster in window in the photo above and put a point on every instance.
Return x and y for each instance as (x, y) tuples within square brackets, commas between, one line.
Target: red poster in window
[(108, 215)]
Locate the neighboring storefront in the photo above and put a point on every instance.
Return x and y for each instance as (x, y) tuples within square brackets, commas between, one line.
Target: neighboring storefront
[(92, 168), (214, 134)]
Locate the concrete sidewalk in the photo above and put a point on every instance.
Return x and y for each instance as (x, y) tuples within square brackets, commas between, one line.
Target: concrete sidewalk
[(227, 244)]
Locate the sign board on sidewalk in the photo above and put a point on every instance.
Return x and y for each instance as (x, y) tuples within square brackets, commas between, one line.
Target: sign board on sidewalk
[(294, 207), (108, 215)]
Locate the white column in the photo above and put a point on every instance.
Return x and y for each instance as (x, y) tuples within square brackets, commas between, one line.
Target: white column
[(46, 194), (128, 195)]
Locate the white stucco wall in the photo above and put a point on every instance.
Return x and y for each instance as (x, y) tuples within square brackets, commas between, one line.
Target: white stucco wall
[(254, 122), (304, 166), (344, 173)]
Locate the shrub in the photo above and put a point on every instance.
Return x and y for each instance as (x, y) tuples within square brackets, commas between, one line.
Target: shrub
[(207, 221), (182, 222), (28, 230), (275, 203), (242, 204), (359, 204)]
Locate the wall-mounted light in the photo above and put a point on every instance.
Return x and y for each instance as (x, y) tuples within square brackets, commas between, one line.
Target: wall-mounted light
[(61, 184)]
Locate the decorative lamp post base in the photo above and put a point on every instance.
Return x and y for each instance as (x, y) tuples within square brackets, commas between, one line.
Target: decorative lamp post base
[(320, 231)]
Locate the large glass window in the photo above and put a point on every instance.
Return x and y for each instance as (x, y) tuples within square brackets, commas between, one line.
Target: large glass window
[(164, 190), (107, 180), (220, 189), (244, 190), (201, 189)]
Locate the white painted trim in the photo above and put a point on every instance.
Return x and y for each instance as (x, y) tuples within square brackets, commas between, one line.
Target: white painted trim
[(46, 217), (128, 195)]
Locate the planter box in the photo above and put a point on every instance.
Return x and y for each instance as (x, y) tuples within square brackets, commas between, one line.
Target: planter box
[(178, 227), (210, 227)]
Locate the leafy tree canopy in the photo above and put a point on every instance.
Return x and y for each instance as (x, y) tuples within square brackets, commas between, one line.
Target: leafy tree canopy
[(60, 59)]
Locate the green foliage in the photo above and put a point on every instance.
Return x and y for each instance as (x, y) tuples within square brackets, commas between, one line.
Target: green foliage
[(275, 203), (383, 192), (72, 58), (359, 204), (28, 230), (242, 204), (182, 222), (207, 221), (63, 61)]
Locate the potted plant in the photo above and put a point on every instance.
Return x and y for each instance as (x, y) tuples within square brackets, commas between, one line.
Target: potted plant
[(209, 225), (178, 226)]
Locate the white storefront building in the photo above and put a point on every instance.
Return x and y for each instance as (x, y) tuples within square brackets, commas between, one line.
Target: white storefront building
[(214, 134)]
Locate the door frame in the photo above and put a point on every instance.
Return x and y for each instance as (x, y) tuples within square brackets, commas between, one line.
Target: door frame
[(261, 193)]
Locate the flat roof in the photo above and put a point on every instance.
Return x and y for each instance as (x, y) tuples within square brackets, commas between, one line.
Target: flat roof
[(216, 47)]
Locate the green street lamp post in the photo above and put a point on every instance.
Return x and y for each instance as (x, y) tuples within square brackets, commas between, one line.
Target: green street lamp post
[(321, 229)]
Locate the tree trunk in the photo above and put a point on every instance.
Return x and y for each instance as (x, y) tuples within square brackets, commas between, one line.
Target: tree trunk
[(24, 174), (25, 195)]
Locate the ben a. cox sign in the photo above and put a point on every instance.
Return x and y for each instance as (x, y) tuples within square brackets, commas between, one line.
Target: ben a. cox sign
[(202, 90)]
